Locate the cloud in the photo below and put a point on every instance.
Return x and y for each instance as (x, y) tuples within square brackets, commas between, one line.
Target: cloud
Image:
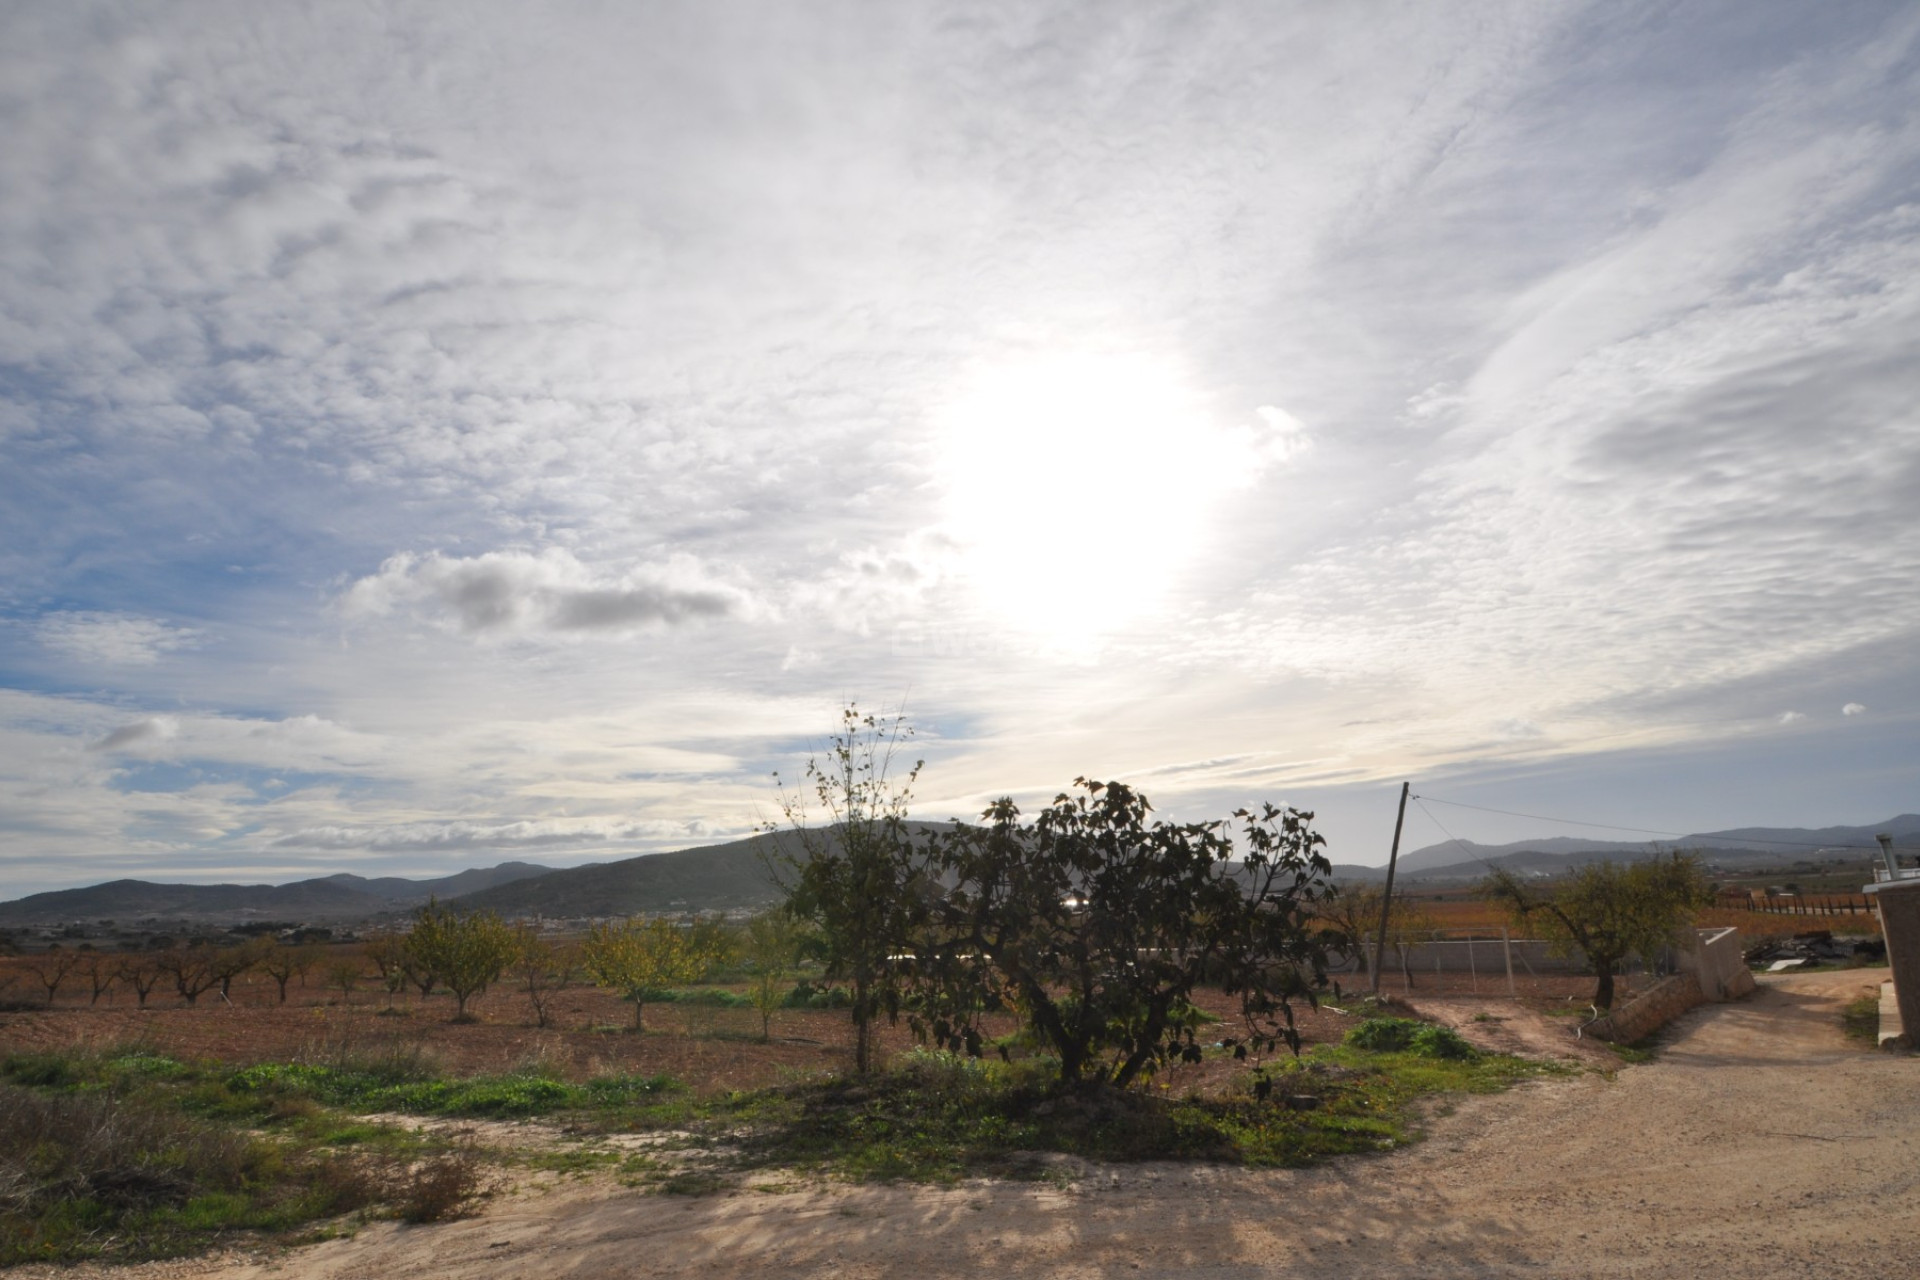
[(552, 592), (1853, 709), (154, 729), (525, 834), (113, 639), (1789, 717)]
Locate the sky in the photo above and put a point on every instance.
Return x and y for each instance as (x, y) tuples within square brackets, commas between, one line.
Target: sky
[(434, 435)]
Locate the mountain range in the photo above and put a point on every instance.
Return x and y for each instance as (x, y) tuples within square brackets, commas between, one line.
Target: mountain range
[(737, 875)]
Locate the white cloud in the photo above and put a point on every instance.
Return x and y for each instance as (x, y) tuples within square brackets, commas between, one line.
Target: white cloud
[(1789, 717), (519, 593), (450, 836), (1853, 709), (112, 639)]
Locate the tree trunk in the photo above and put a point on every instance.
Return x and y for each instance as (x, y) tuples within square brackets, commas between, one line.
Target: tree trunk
[(862, 1028), (1603, 990), (637, 1025)]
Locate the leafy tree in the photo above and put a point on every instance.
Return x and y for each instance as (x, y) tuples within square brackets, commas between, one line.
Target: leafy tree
[(770, 945), (640, 959), (854, 874), (1608, 911), (388, 953), (1097, 925), (345, 973), (468, 952)]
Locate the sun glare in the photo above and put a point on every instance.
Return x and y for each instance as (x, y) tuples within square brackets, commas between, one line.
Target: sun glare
[(1079, 487)]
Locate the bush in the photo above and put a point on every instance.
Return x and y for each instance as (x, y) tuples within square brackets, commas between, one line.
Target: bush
[(438, 1189), (1404, 1035)]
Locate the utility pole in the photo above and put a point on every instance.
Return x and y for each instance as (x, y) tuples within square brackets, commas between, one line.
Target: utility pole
[(1386, 901)]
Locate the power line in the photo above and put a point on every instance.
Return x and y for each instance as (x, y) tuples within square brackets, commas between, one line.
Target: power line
[(1612, 826)]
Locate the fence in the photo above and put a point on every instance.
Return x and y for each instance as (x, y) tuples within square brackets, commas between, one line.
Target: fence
[(1491, 962), (1837, 904)]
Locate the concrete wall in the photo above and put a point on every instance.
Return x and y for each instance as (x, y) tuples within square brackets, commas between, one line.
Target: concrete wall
[(1716, 963), (1899, 902), (1649, 1011), (1482, 956)]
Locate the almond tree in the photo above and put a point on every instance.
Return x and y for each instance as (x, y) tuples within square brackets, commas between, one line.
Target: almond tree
[(466, 951), (142, 973), (51, 967), (283, 963), (639, 960), (770, 945), (1608, 911), (542, 969)]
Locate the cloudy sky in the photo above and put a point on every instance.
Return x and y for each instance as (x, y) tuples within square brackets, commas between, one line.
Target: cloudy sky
[(437, 434)]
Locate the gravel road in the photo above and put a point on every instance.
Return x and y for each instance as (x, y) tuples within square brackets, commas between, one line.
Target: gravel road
[(1758, 1144)]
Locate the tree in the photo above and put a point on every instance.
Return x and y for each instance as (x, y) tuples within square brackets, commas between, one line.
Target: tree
[(345, 973), (283, 963), (468, 952), (51, 967), (228, 963), (1097, 925), (388, 952), (101, 971), (1353, 911), (1608, 911), (854, 874), (142, 973), (770, 945), (641, 959), (542, 969), (190, 967)]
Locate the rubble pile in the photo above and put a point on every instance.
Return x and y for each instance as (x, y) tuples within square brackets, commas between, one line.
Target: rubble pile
[(1816, 947)]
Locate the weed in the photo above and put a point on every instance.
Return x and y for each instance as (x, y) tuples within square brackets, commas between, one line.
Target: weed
[(440, 1188), (1861, 1019)]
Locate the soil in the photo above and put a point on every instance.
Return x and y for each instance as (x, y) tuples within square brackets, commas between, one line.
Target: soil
[(1757, 1142)]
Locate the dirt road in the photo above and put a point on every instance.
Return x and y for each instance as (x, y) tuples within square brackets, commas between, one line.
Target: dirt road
[(1758, 1144)]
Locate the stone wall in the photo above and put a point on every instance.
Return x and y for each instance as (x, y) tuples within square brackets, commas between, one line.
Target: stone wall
[(1647, 1012)]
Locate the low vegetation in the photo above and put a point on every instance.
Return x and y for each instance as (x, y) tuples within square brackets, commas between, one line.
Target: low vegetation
[(1861, 1019)]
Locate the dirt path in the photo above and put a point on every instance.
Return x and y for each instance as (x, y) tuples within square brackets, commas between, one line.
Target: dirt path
[(1758, 1144)]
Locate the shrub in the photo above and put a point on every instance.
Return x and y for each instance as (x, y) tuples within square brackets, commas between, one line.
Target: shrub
[(440, 1188), (1404, 1035)]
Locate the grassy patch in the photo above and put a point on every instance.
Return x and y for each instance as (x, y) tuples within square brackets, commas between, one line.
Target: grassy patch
[(939, 1118), (91, 1173), (1861, 1019)]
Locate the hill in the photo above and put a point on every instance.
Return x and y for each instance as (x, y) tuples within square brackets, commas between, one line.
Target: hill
[(718, 877), (1752, 846), (334, 898)]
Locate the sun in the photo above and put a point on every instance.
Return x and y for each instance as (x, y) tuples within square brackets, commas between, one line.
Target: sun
[(1079, 488)]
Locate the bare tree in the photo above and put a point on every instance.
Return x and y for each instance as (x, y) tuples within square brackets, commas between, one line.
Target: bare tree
[(283, 963), (51, 967)]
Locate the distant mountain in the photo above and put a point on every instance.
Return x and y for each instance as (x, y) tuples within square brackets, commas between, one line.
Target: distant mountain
[(398, 890), (1453, 853), (1457, 859), (718, 877), (335, 897)]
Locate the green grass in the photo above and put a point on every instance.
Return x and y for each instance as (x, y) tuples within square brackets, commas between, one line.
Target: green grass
[(284, 1148), (1861, 1019), (939, 1118), (130, 1154)]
